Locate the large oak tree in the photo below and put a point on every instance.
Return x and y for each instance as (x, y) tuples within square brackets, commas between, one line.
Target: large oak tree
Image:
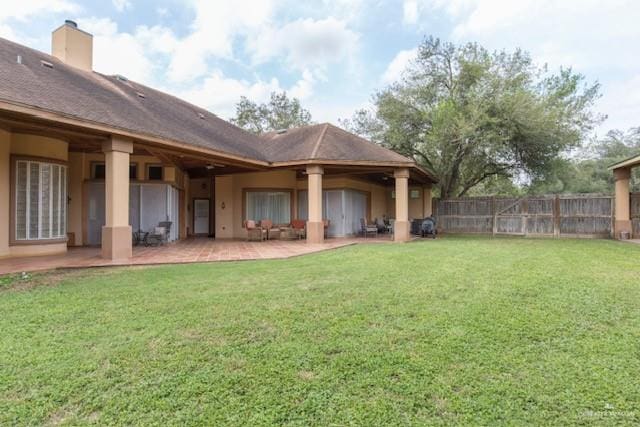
[(471, 115)]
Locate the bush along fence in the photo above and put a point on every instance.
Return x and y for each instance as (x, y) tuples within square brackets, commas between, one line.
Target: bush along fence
[(584, 215)]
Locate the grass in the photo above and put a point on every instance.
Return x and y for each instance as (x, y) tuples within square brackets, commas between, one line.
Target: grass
[(454, 331)]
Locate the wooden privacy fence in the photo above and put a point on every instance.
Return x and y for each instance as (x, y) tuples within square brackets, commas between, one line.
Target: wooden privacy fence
[(635, 214), (588, 215)]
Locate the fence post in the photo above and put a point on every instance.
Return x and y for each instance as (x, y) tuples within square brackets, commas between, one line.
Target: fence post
[(494, 212), (612, 233), (525, 214), (556, 217)]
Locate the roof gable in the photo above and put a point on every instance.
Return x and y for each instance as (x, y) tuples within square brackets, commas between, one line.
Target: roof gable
[(325, 142)]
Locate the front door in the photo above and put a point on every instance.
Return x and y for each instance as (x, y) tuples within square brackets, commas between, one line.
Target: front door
[(201, 216)]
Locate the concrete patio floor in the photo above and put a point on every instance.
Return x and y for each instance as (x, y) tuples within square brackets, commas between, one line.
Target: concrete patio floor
[(185, 251)]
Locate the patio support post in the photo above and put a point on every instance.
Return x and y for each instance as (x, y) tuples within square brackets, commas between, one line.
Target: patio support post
[(427, 207), (116, 233), (5, 190), (315, 226), (401, 225), (622, 213)]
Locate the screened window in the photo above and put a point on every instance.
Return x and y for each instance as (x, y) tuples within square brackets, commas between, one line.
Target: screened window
[(41, 200), (154, 173), (98, 171), (133, 171), (273, 205)]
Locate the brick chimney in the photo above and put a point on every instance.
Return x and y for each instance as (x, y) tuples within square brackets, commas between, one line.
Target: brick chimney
[(73, 46)]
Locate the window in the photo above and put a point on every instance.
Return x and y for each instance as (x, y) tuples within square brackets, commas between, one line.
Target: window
[(273, 205), (98, 171), (133, 171), (40, 200), (414, 194), (154, 173)]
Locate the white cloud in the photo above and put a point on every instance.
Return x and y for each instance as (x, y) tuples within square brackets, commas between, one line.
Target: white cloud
[(305, 43), (410, 12), (121, 5), (217, 24), (596, 38), (21, 10), (398, 64), (122, 53), (24, 10), (219, 93), (621, 101)]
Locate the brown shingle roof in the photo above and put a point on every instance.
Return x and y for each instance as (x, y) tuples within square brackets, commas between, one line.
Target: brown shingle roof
[(122, 104), (107, 100), (325, 142)]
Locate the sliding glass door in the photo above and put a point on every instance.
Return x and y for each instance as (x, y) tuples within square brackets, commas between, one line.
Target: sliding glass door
[(343, 208)]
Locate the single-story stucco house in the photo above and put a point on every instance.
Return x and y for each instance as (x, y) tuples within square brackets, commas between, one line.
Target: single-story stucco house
[(87, 159)]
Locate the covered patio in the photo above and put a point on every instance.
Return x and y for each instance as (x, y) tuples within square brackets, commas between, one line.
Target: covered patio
[(73, 178), (193, 250), (627, 204)]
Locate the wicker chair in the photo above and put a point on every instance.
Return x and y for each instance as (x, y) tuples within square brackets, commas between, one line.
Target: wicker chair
[(254, 232), (267, 225), (299, 226), (327, 224)]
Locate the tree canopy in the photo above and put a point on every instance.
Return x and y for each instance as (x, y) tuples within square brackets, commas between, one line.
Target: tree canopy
[(589, 171), (473, 116), (281, 112)]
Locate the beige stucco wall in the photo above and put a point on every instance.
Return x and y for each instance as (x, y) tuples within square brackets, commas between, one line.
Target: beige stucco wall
[(76, 173), (416, 206), (283, 179), (33, 146), (225, 204), (39, 146), (37, 250)]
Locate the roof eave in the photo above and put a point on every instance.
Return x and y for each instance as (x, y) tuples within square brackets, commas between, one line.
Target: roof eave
[(55, 116), (629, 162), (389, 164)]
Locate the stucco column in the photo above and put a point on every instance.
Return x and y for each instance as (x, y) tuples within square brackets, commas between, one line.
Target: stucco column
[(427, 207), (315, 226), (401, 225), (5, 167), (116, 233), (623, 213)]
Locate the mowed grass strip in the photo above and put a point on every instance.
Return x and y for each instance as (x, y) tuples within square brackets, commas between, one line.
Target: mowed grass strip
[(460, 330)]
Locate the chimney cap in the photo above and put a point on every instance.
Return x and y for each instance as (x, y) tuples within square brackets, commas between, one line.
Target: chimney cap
[(70, 22)]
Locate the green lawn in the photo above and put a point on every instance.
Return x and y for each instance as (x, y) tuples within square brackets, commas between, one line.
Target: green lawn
[(458, 330)]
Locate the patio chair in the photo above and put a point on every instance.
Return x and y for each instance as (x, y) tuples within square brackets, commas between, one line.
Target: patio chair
[(158, 236), (367, 229), (327, 224), (167, 228), (254, 232), (382, 227), (267, 225), (299, 227)]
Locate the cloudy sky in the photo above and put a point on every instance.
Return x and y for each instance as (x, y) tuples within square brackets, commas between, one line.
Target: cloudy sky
[(333, 54)]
